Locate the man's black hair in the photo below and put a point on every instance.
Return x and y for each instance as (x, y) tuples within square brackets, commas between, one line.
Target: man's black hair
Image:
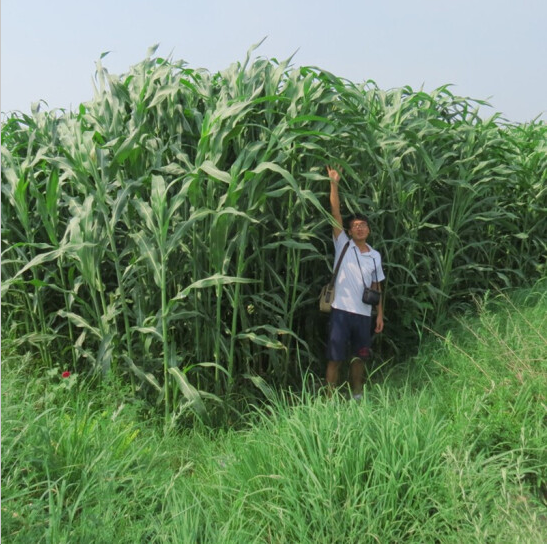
[(356, 217)]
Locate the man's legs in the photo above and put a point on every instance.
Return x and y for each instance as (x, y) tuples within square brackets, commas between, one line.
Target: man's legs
[(346, 327), (357, 375)]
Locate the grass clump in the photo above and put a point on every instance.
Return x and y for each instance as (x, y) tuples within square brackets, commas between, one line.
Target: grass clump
[(76, 466), (447, 448)]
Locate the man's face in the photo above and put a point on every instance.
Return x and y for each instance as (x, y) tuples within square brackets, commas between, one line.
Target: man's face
[(359, 230)]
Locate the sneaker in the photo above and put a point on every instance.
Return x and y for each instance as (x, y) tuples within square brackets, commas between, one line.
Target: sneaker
[(357, 397)]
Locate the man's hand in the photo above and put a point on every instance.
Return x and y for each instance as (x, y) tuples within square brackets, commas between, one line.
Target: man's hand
[(334, 175), (379, 324)]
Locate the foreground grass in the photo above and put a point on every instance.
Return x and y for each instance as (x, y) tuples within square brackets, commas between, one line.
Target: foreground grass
[(450, 447)]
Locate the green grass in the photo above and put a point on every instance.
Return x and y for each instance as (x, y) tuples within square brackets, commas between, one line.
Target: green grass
[(446, 447)]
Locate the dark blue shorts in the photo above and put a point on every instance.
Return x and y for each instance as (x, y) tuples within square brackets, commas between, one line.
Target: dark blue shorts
[(348, 330)]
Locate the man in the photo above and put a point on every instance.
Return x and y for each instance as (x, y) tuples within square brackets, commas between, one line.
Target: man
[(350, 318)]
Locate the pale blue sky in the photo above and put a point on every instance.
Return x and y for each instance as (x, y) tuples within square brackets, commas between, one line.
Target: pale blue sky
[(488, 49)]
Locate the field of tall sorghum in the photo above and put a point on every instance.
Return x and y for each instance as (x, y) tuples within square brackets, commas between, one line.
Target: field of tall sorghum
[(175, 230)]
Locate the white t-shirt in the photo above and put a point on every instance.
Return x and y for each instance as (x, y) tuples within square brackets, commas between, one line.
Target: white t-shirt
[(349, 282)]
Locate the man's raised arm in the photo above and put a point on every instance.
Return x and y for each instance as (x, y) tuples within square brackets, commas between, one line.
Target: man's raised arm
[(334, 176)]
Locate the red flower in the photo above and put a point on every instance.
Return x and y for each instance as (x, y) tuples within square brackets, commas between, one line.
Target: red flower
[(65, 374)]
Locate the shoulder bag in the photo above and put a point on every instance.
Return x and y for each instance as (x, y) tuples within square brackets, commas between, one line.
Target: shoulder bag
[(327, 293)]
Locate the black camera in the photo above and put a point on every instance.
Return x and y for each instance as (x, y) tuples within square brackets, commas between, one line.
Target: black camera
[(371, 297)]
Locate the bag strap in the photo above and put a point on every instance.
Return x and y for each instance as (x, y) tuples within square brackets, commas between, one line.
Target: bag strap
[(359, 263), (337, 268)]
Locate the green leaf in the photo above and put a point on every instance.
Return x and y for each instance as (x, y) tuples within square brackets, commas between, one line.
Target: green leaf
[(189, 392), (209, 168), (214, 280)]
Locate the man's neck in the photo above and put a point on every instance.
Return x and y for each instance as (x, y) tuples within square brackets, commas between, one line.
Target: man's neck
[(362, 245)]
